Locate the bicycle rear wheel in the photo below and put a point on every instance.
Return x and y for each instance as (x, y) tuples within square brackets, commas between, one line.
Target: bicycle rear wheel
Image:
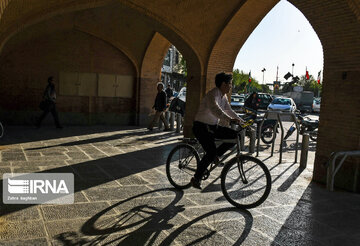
[(313, 135), (245, 182), (268, 134), (181, 165)]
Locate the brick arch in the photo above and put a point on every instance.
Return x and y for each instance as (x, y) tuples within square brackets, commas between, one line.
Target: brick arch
[(35, 13), (151, 72), (116, 46), (337, 25), (338, 28), (234, 35)]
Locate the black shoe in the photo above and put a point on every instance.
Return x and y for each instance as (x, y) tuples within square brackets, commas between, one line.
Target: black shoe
[(195, 183), (150, 129), (167, 130)]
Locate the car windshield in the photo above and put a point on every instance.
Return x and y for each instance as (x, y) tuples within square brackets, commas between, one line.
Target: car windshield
[(282, 101), (237, 99)]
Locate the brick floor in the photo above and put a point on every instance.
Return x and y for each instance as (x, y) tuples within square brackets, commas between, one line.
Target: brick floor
[(123, 197)]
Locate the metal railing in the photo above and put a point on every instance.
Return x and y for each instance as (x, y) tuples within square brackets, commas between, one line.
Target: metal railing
[(332, 168), (279, 116)]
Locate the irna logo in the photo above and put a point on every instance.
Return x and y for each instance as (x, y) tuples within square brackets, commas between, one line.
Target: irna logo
[(38, 188), (34, 186)]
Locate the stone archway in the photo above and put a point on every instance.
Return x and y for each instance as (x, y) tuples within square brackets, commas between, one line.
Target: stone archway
[(150, 75), (338, 29), (209, 34), (151, 72)]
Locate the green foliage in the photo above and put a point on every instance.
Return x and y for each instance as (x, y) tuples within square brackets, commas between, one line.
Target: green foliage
[(241, 84), (310, 85), (181, 66)]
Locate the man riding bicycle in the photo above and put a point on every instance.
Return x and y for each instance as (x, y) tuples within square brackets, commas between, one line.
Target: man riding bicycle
[(212, 122)]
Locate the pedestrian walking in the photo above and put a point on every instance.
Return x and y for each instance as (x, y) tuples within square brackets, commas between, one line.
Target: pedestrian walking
[(160, 107), (48, 104)]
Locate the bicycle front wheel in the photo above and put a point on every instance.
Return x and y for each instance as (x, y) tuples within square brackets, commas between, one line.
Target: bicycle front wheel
[(245, 182), (181, 165)]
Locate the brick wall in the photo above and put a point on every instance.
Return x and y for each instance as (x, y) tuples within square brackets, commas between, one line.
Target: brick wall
[(24, 68), (337, 24)]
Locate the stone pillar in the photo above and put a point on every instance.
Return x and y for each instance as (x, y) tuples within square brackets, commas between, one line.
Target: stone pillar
[(146, 99), (195, 91), (339, 127)]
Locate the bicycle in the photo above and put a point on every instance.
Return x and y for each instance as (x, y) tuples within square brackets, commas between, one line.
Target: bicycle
[(306, 125), (245, 180), (268, 128)]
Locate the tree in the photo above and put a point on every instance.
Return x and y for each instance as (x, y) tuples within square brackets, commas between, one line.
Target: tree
[(181, 66), (310, 85), (241, 84)]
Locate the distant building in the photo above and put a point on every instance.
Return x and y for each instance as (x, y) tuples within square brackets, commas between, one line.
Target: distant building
[(172, 72)]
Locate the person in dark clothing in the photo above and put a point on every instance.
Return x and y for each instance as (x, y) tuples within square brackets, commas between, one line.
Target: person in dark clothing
[(49, 104), (169, 92), (252, 102), (160, 107)]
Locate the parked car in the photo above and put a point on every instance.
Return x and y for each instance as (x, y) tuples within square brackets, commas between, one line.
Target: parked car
[(264, 100), (282, 104), (316, 105), (303, 99), (237, 103)]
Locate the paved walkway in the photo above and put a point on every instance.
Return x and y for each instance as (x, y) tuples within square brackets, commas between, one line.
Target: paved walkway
[(123, 196)]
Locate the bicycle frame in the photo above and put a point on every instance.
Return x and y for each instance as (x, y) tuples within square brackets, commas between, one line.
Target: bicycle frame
[(233, 150)]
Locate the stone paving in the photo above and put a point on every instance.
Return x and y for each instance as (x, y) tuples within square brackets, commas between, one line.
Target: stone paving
[(122, 196)]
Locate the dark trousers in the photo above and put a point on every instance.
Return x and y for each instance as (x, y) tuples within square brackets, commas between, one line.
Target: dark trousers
[(206, 135), (50, 109)]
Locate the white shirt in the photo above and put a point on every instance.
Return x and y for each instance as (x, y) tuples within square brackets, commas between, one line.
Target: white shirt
[(215, 109)]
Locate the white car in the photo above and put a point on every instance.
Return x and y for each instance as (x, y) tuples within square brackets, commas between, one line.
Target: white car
[(182, 94), (282, 104), (316, 105)]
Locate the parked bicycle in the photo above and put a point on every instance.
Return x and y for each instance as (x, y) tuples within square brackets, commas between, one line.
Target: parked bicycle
[(267, 129), (245, 180), (307, 125)]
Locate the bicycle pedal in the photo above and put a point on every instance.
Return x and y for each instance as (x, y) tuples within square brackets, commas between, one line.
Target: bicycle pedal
[(206, 175)]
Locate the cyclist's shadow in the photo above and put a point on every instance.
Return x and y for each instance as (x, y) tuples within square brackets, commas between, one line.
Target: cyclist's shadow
[(142, 224)]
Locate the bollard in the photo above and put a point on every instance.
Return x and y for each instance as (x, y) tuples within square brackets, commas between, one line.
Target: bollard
[(304, 150), (178, 122), (172, 120), (242, 139), (252, 141)]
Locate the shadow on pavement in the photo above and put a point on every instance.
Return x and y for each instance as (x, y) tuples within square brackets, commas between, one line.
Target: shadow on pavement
[(140, 221), (101, 171), (322, 218)]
